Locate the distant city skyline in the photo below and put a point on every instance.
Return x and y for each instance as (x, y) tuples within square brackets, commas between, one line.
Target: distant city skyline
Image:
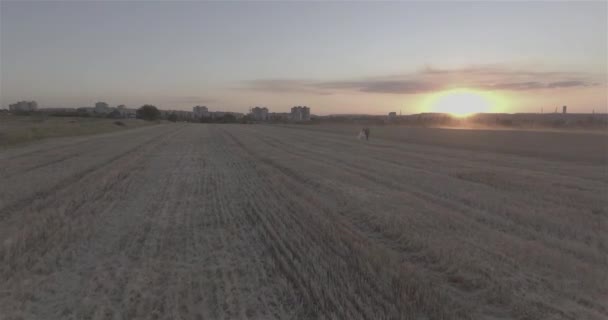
[(336, 57)]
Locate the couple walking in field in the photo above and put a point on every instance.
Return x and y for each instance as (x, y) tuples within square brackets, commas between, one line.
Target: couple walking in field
[(364, 133)]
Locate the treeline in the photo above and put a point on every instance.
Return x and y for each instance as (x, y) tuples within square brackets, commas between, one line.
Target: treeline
[(80, 112), (146, 112)]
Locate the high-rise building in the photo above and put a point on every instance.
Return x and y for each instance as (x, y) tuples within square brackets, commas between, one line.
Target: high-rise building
[(199, 112), (102, 108), (23, 106), (300, 113), (259, 114)]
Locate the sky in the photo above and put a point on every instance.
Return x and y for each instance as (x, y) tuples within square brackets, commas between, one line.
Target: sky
[(335, 57)]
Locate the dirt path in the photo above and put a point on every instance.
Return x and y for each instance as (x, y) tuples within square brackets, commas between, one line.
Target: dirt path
[(261, 222)]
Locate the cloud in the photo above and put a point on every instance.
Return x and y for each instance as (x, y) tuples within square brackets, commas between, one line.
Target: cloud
[(429, 79), (530, 85), (330, 87), (494, 70), (382, 86), (571, 83), (533, 85)]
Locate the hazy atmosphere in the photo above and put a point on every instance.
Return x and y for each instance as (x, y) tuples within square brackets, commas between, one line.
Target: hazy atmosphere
[(335, 57), (303, 160)]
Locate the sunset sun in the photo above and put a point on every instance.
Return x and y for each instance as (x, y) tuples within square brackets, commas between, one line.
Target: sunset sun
[(462, 102)]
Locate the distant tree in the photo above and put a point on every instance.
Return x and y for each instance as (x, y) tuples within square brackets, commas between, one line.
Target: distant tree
[(228, 118), (82, 112), (172, 117), (115, 114), (246, 119), (148, 112)]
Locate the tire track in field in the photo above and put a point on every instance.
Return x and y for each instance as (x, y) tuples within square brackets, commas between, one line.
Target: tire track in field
[(497, 141), (430, 199), (452, 157), (116, 268), (74, 178), (283, 253), (231, 308), (290, 254), (464, 206), (75, 232), (235, 225), (463, 209), (60, 143), (54, 217), (467, 206), (257, 210), (228, 263), (560, 246)]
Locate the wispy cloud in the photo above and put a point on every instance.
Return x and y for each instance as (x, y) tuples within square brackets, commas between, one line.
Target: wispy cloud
[(382, 86), (529, 85), (571, 83), (330, 87), (532, 85), (429, 79), (494, 70)]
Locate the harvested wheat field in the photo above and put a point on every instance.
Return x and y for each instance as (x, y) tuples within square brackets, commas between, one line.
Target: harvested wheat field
[(19, 130), (193, 221)]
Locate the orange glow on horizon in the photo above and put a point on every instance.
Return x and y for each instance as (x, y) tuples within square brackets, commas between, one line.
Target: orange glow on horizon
[(464, 102)]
